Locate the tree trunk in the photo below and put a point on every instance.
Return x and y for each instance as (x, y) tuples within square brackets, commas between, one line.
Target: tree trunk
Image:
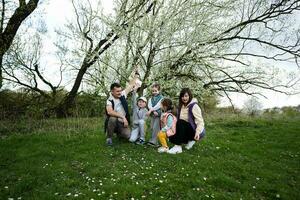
[(1, 78), (64, 108), (13, 24), (149, 64)]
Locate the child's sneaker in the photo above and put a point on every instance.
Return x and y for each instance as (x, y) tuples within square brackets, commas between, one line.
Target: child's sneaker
[(162, 149), (140, 142), (176, 149), (190, 144), (109, 141), (151, 144)]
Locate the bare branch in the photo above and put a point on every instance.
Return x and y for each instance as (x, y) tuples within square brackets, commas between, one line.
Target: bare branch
[(2, 16)]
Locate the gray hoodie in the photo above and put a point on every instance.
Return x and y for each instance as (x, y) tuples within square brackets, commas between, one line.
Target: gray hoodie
[(138, 113)]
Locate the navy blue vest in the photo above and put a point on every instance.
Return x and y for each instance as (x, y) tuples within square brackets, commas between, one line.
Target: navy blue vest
[(125, 106)]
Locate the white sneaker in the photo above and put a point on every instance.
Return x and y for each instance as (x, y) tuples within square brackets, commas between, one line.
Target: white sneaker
[(162, 149), (176, 149), (190, 144)]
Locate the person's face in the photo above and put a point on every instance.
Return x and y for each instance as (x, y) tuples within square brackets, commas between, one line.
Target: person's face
[(141, 104), (155, 91), (185, 99), (116, 92)]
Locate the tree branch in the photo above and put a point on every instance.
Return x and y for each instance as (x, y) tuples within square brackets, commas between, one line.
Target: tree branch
[(2, 16), (20, 14)]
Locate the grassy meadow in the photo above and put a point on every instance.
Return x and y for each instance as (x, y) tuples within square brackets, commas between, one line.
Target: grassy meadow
[(240, 158)]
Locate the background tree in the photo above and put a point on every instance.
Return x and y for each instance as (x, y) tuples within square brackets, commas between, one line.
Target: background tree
[(213, 47), (23, 68), (184, 43), (252, 106), (11, 18), (87, 27)]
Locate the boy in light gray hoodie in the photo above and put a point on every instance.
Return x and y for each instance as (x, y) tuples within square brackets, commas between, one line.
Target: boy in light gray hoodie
[(139, 118)]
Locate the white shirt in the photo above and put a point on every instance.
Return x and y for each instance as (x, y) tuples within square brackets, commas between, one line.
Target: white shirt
[(156, 107), (117, 103)]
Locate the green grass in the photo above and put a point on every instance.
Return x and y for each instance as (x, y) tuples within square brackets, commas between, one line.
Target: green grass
[(238, 159)]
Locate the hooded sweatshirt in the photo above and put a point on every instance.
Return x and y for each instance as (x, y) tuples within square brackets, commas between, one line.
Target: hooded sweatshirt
[(197, 114), (138, 113)]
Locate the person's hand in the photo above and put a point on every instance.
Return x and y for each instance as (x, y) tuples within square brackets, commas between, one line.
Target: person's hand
[(148, 113), (197, 137), (125, 122), (155, 113), (138, 83)]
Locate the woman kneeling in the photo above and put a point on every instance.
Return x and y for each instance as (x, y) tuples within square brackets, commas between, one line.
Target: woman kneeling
[(190, 124)]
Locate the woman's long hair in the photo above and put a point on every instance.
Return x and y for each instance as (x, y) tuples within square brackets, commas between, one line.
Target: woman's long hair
[(182, 93)]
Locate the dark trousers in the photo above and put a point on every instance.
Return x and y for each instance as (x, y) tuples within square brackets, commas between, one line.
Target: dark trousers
[(184, 133), (115, 126)]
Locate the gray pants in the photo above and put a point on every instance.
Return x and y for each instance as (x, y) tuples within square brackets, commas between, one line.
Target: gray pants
[(115, 126), (138, 131), (155, 127)]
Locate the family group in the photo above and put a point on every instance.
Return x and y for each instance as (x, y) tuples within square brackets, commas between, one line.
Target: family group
[(181, 129)]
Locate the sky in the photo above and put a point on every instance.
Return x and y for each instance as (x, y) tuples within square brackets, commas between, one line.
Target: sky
[(57, 12)]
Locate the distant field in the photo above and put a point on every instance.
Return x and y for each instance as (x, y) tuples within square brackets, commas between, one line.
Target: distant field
[(68, 159)]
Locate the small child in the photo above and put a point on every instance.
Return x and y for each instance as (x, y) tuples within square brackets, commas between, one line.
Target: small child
[(139, 117), (168, 124), (154, 112)]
